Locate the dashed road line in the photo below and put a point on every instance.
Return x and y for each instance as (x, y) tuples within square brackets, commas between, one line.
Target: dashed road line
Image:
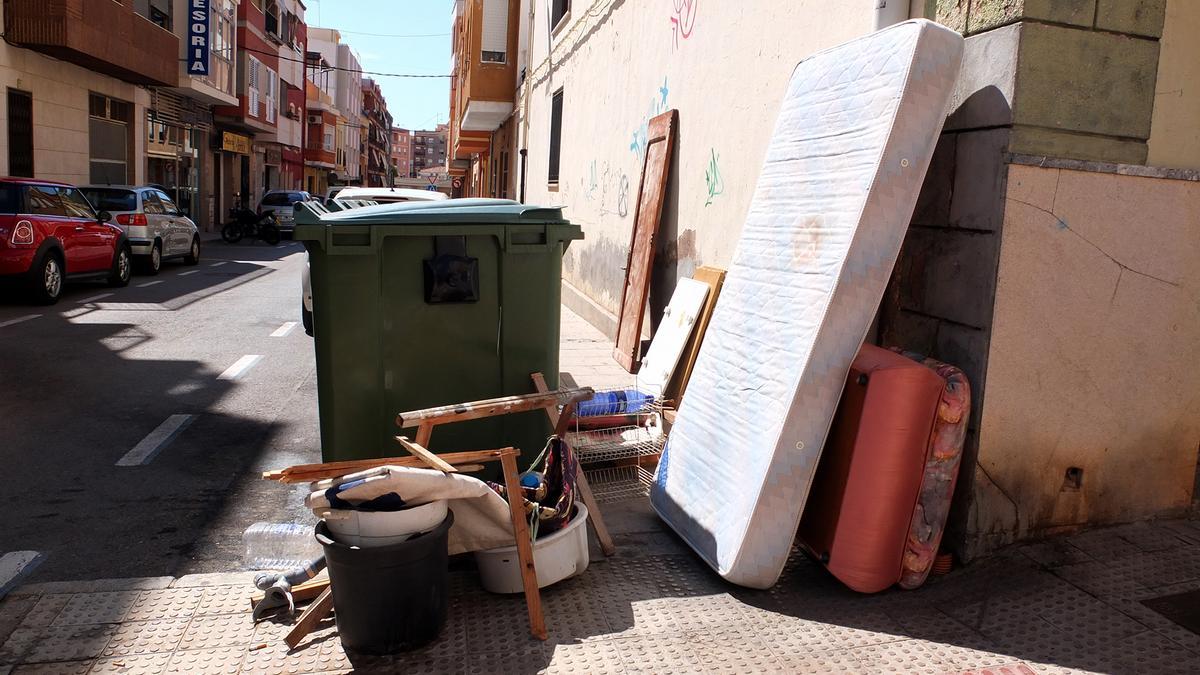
[(217, 264), (93, 298), (184, 274), (156, 440), (19, 319), (149, 283), (240, 367), (16, 565), (284, 329)]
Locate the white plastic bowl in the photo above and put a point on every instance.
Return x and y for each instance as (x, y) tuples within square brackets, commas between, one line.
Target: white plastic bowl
[(557, 556), (369, 529)]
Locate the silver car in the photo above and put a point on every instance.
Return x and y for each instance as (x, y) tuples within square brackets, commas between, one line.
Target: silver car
[(280, 203), (156, 228)]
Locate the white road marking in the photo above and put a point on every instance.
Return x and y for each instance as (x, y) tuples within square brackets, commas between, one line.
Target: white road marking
[(216, 264), (240, 367), (184, 274), (19, 319), (93, 298), (156, 440), (284, 329), (15, 565)]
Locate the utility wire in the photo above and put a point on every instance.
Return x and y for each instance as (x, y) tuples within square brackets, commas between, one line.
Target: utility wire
[(348, 70)]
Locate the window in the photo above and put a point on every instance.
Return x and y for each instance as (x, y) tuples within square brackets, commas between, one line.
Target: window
[(253, 73), (558, 9), (44, 201), (556, 110), (503, 193), (151, 206), (10, 198), (495, 31), (271, 93), (75, 205), (108, 138), (328, 145), (111, 199), (272, 12), (20, 133), (168, 206)]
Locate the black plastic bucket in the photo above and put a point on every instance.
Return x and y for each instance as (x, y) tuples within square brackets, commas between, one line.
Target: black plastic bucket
[(392, 598)]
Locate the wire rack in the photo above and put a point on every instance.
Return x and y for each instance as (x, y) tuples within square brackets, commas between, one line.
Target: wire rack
[(620, 483), (605, 445), (615, 401)]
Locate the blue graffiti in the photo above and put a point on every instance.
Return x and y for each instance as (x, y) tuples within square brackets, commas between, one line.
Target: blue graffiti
[(658, 104)]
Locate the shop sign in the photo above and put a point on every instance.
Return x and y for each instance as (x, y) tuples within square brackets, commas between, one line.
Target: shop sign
[(197, 37), (274, 155), (231, 142)]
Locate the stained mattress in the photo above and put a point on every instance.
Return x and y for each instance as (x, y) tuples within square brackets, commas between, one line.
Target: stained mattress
[(845, 162)]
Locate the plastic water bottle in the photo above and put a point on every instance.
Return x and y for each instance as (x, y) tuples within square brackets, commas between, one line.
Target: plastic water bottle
[(628, 401), (280, 546)]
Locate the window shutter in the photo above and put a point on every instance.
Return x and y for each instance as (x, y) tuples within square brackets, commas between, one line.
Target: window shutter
[(252, 87), (556, 110), (495, 27)]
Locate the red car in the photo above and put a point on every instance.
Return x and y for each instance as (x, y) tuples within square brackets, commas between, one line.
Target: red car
[(50, 233)]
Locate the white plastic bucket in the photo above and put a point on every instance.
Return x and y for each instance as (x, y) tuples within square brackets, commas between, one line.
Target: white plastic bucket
[(368, 529), (558, 556)]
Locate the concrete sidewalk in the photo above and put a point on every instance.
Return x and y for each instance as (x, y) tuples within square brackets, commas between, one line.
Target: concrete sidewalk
[(1071, 604)]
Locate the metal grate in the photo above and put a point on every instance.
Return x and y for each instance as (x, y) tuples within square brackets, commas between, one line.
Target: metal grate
[(618, 484), (603, 445)]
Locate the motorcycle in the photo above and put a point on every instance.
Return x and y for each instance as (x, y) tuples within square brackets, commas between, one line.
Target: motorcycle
[(246, 223)]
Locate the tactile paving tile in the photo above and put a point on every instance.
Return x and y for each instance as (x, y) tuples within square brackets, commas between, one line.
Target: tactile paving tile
[(861, 629), (224, 600), (1102, 544), (970, 659), (166, 603), (1106, 580), (106, 607), (812, 661), (146, 637), (411, 665), (659, 654), (1054, 553), (46, 610), (931, 624), (733, 650), (574, 617), (309, 656), (13, 610), (60, 668), (1015, 668), (904, 656), (498, 624), (1149, 537), (218, 630), (596, 656), (784, 633), (219, 661), (520, 662), (1188, 530), (56, 643), (140, 664), (630, 617), (706, 613)]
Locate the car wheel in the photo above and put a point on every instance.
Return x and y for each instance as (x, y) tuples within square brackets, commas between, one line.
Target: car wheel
[(193, 255), (48, 279), (122, 268), (152, 263), (306, 318), (269, 234)]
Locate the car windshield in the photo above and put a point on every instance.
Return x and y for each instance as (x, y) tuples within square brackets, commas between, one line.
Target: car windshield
[(10, 199), (282, 198), (111, 199)]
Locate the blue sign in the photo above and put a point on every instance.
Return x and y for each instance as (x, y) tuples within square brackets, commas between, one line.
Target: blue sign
[(431, 188), (197, 48)]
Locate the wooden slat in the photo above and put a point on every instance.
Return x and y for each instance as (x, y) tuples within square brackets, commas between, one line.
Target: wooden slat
[(660, 141), (312, 616), (305, 473), (300, 592), (516, 507), (491, 407), (428, 457), (585, 490), (715, 278), (424, 431)]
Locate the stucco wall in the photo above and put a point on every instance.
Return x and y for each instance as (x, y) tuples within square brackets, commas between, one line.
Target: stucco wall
[(1094, 339), (1175, 129), (724, 66)]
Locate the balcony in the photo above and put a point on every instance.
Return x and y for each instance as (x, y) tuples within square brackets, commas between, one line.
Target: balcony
[(104, 36), (482, 92)]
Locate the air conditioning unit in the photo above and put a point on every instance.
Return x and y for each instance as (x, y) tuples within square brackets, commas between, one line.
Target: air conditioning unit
[(314, 119)]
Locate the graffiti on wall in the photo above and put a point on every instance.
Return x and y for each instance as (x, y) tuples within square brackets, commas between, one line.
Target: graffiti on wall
[(712, 177), (589, 182), (658, 104), (614, 191), (683, 20)]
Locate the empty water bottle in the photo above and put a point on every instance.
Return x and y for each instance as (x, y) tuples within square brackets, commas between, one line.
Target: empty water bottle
[(623, 402), (280, 546)]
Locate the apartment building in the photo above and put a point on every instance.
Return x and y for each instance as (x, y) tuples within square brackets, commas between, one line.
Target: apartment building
[(378, 136), (345, 87), (429, 149), (401, 152), (1051, 254)]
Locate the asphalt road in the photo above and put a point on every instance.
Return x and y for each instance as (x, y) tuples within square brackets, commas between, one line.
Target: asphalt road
[(91, 389)]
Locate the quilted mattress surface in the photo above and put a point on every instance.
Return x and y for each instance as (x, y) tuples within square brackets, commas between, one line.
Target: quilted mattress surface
[(845, 162)]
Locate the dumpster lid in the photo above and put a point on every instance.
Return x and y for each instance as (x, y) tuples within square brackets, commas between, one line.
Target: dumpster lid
[(471, 210)]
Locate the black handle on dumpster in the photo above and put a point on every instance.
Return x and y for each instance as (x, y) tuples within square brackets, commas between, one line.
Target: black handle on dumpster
[(451, 276)]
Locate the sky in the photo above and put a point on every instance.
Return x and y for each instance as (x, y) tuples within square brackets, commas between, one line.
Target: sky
[(375, 30)]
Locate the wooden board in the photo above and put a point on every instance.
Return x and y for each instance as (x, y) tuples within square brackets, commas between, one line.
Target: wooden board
[(660, 141), (714, 278), (306, 473), (462, 412), (674, 331)]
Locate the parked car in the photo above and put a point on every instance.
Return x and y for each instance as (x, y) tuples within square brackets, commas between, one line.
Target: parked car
[(49, 234), (333, 192), (377, 194), (387, 195), (280, 203), (156, 228)]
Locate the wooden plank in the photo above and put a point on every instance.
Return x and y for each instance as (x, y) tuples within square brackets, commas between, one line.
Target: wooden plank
[(660, 141), (424, 431), (715, 278), (585, 490), (300, 592), (491, 407), (305, 473), (312, 616), (516, 507), (431, 459), (674, 331)]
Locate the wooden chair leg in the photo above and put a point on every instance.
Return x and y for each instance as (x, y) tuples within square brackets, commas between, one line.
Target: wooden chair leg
[(424, 431), (585, 493), (312, 616), (533, 597)]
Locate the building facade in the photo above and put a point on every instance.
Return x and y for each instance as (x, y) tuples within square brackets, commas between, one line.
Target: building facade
[(345, 88), (1046, 255), (378, 136), (429, 149), (401, 153)]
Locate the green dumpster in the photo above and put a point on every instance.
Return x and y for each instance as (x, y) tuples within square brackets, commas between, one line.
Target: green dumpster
[(420, 304)]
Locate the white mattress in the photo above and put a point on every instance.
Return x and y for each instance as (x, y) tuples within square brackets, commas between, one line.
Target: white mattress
[(855, 133)]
